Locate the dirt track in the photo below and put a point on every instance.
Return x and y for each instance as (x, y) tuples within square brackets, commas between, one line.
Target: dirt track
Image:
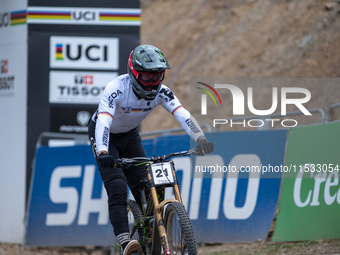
[(331, 247)]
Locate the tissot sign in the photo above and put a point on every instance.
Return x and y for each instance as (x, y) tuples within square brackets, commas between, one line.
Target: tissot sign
[(6, 79), (74, 52), (78, 87)]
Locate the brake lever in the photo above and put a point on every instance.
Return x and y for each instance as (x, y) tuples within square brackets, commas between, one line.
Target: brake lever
[(194, 151)]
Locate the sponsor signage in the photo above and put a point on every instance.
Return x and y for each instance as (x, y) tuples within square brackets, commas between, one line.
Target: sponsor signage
[(12, 18), (68, 197), (85, 42), (13, 112), (231, 194), (75, 121), (310, 198), (76, 52), (69, 203), (84, 16), (12, 22), (7, 80), (78, 87)]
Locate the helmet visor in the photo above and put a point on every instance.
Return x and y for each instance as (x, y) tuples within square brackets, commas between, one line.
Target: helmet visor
[(149, 80)]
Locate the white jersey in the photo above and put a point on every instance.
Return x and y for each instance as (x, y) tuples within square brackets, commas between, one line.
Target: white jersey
[(120, 111)]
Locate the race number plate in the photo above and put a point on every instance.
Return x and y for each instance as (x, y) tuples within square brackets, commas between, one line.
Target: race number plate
[(162, 173)]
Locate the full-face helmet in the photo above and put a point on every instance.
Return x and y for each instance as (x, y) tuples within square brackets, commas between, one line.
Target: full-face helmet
[(146, 67)]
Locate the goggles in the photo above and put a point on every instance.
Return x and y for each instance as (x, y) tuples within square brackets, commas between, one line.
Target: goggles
[(150, 79)]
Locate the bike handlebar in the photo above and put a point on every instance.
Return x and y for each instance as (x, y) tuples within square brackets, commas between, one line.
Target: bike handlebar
[(136, 161)]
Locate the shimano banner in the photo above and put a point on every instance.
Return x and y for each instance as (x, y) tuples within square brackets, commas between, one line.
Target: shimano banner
[(68, 204), (231, 194)]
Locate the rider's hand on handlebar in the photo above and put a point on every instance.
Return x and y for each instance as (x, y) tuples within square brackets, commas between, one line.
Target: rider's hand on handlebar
[(106, 160), (204, 146)]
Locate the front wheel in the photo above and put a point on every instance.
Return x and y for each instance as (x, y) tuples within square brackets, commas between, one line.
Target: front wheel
[(179, 230)]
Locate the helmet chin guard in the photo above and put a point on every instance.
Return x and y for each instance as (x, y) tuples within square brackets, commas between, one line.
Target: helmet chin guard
[(146, 67)]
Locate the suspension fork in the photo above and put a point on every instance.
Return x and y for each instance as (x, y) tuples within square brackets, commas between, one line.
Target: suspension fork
[(176, 187)]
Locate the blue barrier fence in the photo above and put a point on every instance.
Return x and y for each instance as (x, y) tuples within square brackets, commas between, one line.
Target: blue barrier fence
[(68, 204)]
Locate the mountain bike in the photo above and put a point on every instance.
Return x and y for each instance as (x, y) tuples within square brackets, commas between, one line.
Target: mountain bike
[(161, 226)]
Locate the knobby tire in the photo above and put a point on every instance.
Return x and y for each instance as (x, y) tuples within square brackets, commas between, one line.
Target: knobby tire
[(179, 230), (137, 232)]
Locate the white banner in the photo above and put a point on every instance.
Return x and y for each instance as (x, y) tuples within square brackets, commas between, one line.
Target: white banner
[(13, 27), (84, 16), (73, 87), (13, 110), (75, 52)]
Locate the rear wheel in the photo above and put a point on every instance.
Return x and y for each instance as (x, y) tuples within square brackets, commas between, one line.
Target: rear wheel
[(137, 232), (179, 230)]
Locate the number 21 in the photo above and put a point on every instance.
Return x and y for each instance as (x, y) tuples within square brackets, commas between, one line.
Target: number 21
[(159, 172)]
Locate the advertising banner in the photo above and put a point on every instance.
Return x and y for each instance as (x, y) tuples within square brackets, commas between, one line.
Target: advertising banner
[(79, 52), (84, 16), (71, 87), (310, 198), (13, 26), (75, 121), (13, 106), (232, 193), (75, 48), (69, 203)]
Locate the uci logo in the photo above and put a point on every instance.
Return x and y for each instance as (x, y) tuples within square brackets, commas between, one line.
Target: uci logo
[(76, 52), (84, 52), (4, 19), (84, 16)]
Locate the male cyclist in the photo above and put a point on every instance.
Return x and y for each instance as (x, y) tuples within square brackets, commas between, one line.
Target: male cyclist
[(126, 101)]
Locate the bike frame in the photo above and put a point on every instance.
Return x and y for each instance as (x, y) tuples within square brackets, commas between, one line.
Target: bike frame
[(156, 200), (159, 205)]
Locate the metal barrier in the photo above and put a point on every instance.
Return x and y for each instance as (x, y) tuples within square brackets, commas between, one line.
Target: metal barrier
[(329, 112), (266, 127), (75, 139), (54, 139), (169, 131)]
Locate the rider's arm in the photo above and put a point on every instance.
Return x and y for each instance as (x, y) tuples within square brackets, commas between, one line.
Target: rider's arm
[(191, 126), (106, 109), (103, 132), (189, 123), (171, 103)]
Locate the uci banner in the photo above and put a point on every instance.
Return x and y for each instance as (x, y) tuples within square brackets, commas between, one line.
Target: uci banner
[(68, 204)]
